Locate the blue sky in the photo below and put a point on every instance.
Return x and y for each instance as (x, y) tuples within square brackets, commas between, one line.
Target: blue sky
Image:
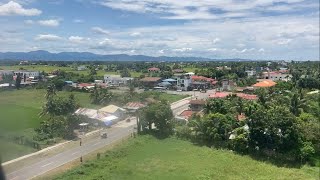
[(255, 29)]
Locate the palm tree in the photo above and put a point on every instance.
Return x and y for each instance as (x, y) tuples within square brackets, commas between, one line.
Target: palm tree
[(51, 91)]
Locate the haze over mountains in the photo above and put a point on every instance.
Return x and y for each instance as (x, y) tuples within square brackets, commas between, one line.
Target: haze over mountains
[(86, 56)]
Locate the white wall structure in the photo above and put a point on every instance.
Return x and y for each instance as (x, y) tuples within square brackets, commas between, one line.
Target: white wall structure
[(116, 79)]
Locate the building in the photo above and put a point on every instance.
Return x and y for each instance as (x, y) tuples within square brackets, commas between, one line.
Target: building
[(276, 76), (150, 81), (228, 85), (6, 72), (201, 82), (133, 106), (153, 70), (81, 68), (196, 104), (251, 73), (24, 63), (27, 74), (114, 110), (264, 84), (116, 79), (178, 71), (184, 82), (219, 95)]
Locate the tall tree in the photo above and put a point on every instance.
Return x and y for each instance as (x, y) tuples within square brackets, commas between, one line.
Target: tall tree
[(18, 81)]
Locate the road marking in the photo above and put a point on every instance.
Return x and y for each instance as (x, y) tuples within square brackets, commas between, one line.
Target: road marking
[(75, 153), (47, 164), (96, 143)]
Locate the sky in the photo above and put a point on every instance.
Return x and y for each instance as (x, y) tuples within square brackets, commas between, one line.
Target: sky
[(251, 29)]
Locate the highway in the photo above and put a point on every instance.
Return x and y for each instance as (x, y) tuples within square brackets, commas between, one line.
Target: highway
[(49, 163)]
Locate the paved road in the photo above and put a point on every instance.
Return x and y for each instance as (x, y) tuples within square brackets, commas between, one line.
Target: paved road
[(53, 162), (50, 163)]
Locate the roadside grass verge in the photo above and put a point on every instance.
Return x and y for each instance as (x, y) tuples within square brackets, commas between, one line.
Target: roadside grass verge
[(146, 157)]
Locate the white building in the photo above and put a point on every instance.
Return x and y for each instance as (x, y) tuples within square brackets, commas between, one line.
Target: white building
[(251, 73), (28, 74), (116, 79), (81, 68), (276, 76), (6, 72), (184, 82)]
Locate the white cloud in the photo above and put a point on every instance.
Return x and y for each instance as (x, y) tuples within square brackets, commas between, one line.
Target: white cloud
[(29, 21), (213, 49), (100, 30), (261, 50), (104, 42), (216, 40), (13, 8), (49, 22), (77, 39), (182, 49), (161, 51), (205, 9), (135, 34), (78, 21), (283, 41), (48, 37)]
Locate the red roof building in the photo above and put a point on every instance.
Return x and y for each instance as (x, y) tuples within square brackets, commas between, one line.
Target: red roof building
[(247, 96), (187, 114), (219, 95), (153, 69)]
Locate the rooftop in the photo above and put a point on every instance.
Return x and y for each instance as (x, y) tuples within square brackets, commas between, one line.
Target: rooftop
[(219, 95), (265, 83), (197, 102), (150, 79), (110, 109)]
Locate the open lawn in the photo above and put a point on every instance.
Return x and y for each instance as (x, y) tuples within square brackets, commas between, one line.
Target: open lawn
[(20, 109), (19, 114), (149, 158), (49, 69)]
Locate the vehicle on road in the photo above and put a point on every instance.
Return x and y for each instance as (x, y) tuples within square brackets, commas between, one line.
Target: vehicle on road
[(104, 135)]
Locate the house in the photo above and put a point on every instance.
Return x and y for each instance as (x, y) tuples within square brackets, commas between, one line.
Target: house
[(196, 104), (178, 71), (25, 74), (98, 117), (219, 95), (68, 83), (133, 106), (114, 110), (81, 68), (6, 72), (184, 82), (264, 84), (247, 96), (85, 86), (201, 82), (150, 81), (251, 73), (153, 70), (24, 63), (116, 79), (276, 76), (228, 85)]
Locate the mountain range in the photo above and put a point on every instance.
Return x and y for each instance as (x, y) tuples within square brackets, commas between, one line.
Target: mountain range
[(87, 56)]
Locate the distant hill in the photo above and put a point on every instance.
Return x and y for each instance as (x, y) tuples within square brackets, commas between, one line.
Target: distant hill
[(86, 56)]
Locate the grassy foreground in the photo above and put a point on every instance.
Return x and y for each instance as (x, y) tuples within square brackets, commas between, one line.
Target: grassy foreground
[(149, 158)]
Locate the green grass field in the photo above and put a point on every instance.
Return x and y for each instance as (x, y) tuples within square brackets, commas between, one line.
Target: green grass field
[(19, 109), (149, 158), (49, 69)]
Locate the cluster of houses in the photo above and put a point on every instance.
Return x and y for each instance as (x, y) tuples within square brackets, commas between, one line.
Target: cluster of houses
[(27, 77), (109, 115)]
